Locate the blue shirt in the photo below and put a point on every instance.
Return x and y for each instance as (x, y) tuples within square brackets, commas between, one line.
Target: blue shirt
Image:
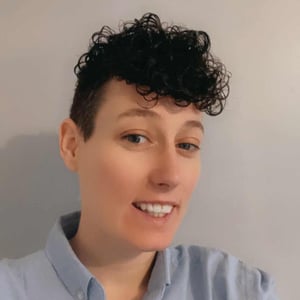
[(181, 272)]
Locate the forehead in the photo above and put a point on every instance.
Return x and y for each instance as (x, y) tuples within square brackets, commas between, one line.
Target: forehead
[(118, 97)]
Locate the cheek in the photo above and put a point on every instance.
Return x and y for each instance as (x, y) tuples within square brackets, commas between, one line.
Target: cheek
[(191, 178), (111, 175), (116, 175)]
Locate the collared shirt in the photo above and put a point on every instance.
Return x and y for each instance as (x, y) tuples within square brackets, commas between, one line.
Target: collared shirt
[(179, 273)]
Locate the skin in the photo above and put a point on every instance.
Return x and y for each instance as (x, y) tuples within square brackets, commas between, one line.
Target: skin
[(115, 241)]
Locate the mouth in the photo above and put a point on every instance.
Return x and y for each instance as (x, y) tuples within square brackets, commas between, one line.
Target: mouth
[(155, 210)]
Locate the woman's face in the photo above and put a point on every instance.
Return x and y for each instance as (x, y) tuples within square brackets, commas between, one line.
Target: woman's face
[(139, 168)]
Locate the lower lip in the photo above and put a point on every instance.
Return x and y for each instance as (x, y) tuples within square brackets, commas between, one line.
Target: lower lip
[(155, 220)]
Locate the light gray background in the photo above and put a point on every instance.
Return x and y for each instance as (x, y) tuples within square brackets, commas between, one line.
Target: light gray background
[(247, 201)]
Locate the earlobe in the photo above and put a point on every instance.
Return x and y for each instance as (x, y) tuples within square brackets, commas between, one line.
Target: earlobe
[(69, 144)]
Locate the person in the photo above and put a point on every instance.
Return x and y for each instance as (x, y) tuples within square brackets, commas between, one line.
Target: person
[(133, 137)]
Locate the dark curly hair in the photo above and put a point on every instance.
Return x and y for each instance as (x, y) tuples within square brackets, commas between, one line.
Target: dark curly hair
[(159, 60)]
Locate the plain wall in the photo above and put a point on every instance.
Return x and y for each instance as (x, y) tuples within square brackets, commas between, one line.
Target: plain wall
[(247, 199)]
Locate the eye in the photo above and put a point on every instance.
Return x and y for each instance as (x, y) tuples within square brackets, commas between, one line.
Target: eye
[(134, 138), (190, 147)]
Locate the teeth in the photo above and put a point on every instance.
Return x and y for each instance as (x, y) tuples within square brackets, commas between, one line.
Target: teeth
[(157, 215), (149, 208), (143, 206), (166, 209), (155, 210)]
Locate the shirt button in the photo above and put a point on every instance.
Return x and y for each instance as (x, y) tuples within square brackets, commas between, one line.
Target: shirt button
[(80, 295)]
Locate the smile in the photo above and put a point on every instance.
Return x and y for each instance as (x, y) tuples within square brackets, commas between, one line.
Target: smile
[(155, 210)]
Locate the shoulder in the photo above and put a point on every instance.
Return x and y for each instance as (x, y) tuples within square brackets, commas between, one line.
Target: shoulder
[(16, 273), (20, 267), (225, 273)]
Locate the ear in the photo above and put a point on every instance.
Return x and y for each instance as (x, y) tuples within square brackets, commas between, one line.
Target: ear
[(69, 140)]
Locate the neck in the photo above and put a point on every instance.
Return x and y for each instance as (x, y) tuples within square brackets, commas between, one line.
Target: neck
[(116, 266)]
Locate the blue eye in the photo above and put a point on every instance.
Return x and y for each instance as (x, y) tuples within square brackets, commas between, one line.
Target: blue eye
[(190, 147), (139, 139), (134, 138)]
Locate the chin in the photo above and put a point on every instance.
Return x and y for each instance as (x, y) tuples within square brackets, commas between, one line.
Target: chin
[(154, 244)]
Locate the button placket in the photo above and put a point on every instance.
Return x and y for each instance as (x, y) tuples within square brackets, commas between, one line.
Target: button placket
[(80, 295)]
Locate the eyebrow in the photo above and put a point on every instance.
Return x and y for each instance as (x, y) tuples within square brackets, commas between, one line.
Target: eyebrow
[(136, 112)]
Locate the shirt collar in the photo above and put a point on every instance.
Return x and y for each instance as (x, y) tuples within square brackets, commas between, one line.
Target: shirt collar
[(160, 276), (75, 276)]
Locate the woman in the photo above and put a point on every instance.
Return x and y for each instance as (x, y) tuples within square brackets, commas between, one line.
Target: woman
[(133, 137)]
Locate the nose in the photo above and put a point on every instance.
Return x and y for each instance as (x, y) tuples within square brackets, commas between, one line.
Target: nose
[(165, 174)]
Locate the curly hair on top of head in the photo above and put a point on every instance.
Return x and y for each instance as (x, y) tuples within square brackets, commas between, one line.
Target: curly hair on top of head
[(159, 60)]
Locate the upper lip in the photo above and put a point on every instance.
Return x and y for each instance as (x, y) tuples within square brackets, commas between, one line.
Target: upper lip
[(161, 202)]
